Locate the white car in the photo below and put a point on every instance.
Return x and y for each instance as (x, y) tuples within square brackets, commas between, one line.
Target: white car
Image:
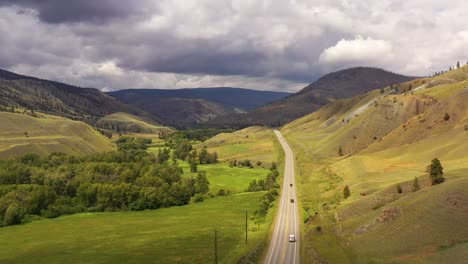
[(292, 238)]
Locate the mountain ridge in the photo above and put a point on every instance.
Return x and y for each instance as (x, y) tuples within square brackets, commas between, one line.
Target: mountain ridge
[(191, 106), (336, 85)]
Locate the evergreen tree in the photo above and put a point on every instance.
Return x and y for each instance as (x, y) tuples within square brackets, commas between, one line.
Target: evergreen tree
[(436, 172), (340, 151), (346, 192), (458, 65), (399, 189), (416, 186)]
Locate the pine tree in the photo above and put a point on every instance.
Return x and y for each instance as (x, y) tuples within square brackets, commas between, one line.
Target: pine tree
[(436, 172), (399, 189), (346, 192), (458, 65), (416, 186), (340, 151)]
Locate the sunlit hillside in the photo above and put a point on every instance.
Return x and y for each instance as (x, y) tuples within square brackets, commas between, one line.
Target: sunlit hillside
[(372, 143), (22, 133)]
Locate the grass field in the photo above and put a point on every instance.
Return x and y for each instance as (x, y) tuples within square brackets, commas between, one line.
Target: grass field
[(172, 235), (46, 134), (253, 143), (221, 176)]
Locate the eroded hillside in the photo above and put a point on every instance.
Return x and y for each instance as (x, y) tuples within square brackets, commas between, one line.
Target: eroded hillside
[(374, 143)]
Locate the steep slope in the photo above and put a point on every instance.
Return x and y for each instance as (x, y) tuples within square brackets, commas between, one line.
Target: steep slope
[(184, 107), (61, 99), (21, 134), (372, 143), (336, 85)]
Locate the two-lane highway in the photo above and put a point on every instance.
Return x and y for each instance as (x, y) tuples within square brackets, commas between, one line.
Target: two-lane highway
[(281, 250)]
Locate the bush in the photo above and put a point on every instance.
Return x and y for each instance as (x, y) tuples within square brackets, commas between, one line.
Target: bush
[(446, 117), (318, 228), (14, 214), (198, 198), (221, 192)]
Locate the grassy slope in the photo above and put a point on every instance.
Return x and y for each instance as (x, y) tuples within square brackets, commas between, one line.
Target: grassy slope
[(253, 143), (48, 134), (409, 131), (133, 124), (173, 235)]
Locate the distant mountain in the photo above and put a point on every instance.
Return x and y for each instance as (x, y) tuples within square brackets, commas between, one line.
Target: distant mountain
[(336, 85), (86, 104), (186, 107)]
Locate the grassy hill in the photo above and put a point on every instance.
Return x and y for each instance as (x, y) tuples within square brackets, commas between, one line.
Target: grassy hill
[(184, 107), (85, 104), (253, 143), (46, 134), (387, 137), (330, 87), (129, 123)]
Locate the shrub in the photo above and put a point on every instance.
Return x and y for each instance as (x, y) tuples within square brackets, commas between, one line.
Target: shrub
[(221, 192), (446, 117), (198, 198), (14, 214), (318, 228)]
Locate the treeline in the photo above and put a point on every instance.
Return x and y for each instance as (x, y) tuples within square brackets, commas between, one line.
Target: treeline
[(268, 184), (127, 179), (200, 134)]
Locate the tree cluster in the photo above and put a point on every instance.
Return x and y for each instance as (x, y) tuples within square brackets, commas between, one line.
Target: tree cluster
[(127, 179), (270, 185), (241, 163)]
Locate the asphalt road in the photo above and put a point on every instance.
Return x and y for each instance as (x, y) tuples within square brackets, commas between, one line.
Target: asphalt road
[(287, 221)]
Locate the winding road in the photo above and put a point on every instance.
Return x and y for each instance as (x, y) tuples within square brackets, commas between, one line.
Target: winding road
[(287, 221)]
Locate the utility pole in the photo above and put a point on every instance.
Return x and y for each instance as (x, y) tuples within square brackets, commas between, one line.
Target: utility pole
[(246, 227), (216, 246)]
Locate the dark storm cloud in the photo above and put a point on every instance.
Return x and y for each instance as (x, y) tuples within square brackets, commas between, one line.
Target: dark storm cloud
[(262, 44), (95, 11)]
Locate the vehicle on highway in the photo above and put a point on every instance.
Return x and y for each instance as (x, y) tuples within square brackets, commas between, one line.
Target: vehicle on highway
[(292, 200), (292, 238)]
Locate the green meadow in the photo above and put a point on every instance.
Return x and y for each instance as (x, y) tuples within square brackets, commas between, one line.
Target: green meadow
[(221, 176), (171, 235)]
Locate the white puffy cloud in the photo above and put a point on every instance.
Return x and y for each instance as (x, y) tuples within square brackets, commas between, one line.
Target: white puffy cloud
[(358, 51)]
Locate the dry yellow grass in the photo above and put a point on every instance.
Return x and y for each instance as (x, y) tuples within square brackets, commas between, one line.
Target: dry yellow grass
[(388, 140), (253, 143), (46, 134)]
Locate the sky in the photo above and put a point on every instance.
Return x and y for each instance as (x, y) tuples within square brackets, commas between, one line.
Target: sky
[(260, 44)]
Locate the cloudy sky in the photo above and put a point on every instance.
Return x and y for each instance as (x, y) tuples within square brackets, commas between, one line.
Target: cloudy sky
[(260, 44)]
